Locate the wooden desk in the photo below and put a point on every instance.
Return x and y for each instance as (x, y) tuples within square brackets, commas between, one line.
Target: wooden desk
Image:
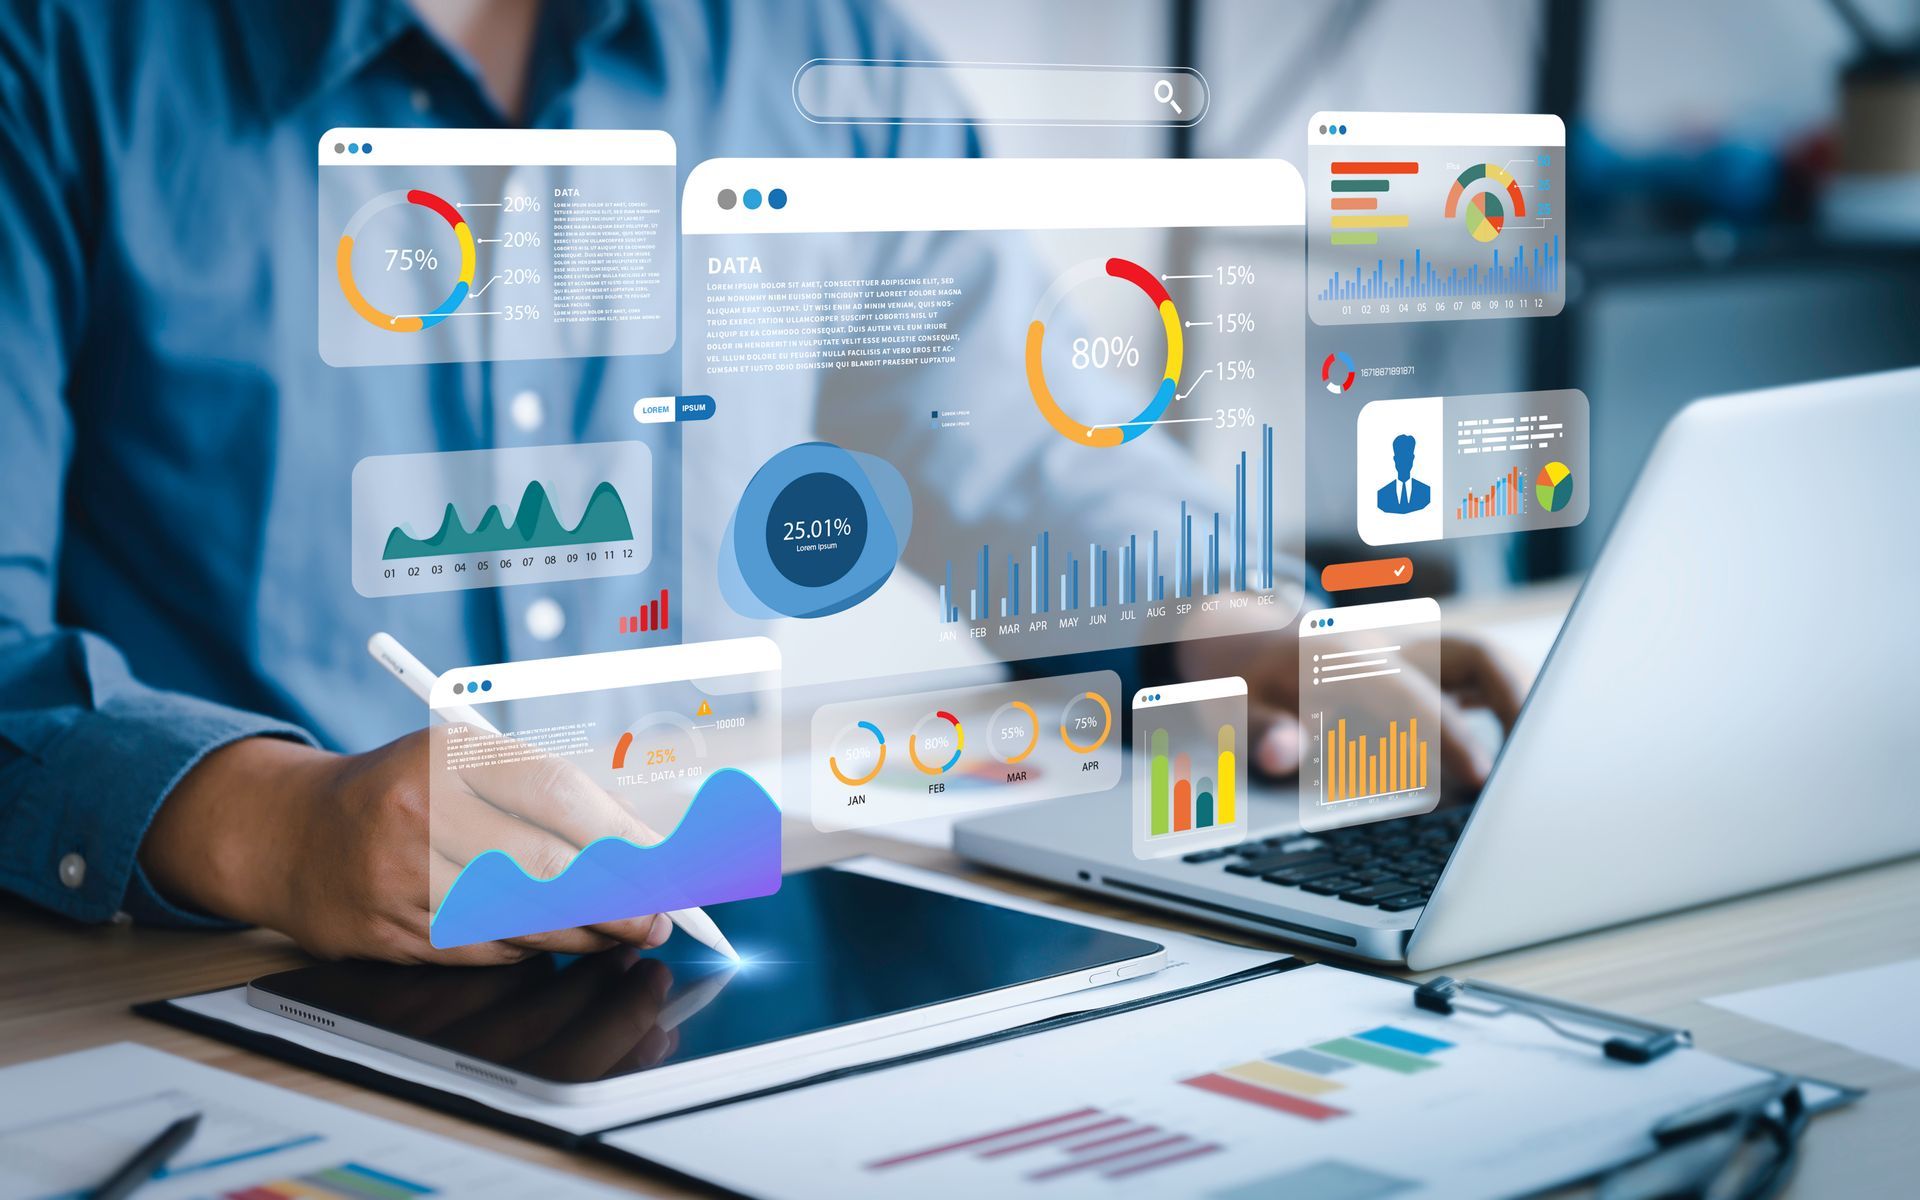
[(65, 987)]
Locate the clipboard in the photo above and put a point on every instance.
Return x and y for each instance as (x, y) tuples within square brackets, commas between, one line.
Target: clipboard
[(1662, 1140), (1469, 1002)]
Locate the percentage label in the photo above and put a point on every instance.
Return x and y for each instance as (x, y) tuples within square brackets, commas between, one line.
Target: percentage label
[(515, 239), (1234, 322), (514, 204), (412, 260), (1086, 722), (520, 275), (1234, 275), (660, 757), (1232, 418), (819, 527), (520, 312), (1102, 352), (1013, 733), (1232, 370)]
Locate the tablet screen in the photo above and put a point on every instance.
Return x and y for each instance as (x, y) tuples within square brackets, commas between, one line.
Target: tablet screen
[(830, 948)]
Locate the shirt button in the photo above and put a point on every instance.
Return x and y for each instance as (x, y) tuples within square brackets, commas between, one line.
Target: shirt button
[(73, 870), (527, 410), (545, 619)]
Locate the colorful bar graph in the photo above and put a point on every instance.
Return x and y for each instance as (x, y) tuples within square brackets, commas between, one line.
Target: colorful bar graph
[(1395, 763), (1177, 802), (1223, 564), (1297, 1082), (1507, 497), (348, 1181)]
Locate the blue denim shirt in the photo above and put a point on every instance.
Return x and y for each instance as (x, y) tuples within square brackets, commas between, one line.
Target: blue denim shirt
[(175, 459)]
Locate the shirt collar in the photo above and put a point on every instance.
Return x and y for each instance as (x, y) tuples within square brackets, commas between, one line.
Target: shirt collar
[(302, 49)]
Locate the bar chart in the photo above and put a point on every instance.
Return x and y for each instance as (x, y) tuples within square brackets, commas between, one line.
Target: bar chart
[(347, 1181), (1303, 1082), (1073, 1144), (1369, 723), (1505, 497), (1395, 763), (1234, 554), (1189, 766), (1180, 802), (1528, 271), (652, 617)]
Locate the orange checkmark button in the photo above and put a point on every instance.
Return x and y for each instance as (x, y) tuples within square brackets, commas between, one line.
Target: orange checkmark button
[(1375, 572)]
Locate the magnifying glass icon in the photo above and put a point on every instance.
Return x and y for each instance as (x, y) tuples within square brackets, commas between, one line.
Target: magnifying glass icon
[(1163, 92)]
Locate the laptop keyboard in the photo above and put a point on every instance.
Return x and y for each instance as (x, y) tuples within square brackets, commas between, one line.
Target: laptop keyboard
[(1391, 865)]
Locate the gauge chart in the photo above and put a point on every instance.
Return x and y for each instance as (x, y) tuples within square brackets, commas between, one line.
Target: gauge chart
[(966, 749)]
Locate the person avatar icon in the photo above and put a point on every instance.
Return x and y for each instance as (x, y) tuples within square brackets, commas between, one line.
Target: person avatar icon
[(1404, 494)]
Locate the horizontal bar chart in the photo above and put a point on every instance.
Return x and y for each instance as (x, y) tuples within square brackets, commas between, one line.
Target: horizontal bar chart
[(1300, 1082), (1079, 1142)]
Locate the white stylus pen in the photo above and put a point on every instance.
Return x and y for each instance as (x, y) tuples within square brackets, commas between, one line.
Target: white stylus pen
[(389, 653)]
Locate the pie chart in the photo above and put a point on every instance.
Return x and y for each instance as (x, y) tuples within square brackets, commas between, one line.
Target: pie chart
[(1553, 487), (1485, 213), (1485, 216)]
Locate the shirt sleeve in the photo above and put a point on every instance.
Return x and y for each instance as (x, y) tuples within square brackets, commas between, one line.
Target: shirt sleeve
[(87, 753)]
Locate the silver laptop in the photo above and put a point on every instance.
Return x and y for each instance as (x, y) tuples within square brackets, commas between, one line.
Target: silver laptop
[(1730, 706)]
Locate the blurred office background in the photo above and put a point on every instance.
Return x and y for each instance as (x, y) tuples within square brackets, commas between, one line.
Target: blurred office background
[(1745, 194)]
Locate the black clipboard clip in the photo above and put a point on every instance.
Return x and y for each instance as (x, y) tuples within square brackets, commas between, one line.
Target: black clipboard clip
[(1623, 1039)]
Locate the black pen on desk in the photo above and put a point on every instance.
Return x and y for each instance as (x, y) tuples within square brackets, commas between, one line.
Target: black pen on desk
[(147, 1160)]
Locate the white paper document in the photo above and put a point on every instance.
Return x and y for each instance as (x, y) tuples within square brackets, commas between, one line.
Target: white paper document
[(66, 1123), (1311, 1083), (1870, 1010), (1191, 960)]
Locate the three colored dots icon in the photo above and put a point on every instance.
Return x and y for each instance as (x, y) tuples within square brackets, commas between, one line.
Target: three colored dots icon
[(752, 198)]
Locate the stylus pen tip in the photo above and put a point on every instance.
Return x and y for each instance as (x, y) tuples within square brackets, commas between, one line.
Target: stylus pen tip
[(701, 928)]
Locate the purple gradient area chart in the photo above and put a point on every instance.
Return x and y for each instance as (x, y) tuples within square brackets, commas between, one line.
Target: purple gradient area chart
[(726, 847)]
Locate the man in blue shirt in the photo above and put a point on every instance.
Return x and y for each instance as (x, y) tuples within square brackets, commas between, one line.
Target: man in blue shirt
[(178, 633), (181, 647)]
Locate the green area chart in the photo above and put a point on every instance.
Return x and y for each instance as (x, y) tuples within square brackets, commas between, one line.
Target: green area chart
[(535, 524)]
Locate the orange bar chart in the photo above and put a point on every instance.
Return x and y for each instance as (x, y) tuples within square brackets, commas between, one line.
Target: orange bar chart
[(1358, 767)]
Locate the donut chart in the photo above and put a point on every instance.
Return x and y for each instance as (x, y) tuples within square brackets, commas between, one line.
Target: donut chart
[(934, 739), (405, 322), (879, 753), (1486, 216), (1106, 724), (1001, 737), (1068, 426)]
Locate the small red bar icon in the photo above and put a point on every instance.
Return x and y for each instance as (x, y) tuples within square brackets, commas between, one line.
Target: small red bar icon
[(652, 617)]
